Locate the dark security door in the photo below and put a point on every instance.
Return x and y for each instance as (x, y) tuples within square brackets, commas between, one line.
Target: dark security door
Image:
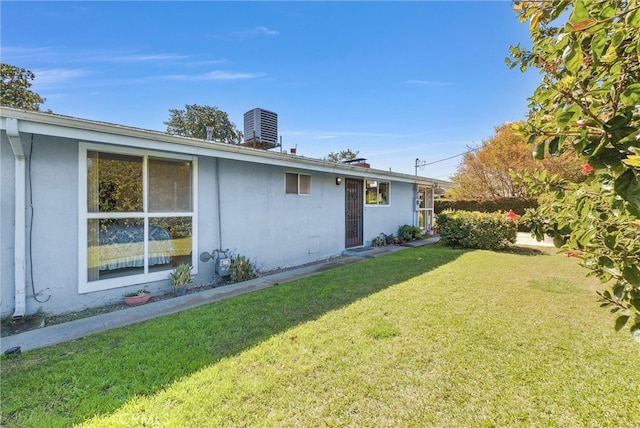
[(354, 197)]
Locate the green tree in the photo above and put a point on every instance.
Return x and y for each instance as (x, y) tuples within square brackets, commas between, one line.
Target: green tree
[(14, 89), (341, 156), (589, 97), (486, 172), (194, 120)]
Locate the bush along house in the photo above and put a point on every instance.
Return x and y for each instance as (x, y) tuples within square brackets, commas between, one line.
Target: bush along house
[(91, 211)]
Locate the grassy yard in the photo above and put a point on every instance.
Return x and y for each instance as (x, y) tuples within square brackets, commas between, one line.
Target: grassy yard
[(423, 337)]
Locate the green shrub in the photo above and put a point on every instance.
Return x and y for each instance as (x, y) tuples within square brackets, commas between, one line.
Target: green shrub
[(488, 231), (409, 233), (378, 241), (181, 275), (518, 205), (241, 269), (382, 240)]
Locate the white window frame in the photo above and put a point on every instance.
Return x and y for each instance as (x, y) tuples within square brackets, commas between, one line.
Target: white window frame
[(298, 183), (388, 183), (86, 286)]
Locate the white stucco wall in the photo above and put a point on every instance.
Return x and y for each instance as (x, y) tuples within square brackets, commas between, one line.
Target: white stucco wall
[(388, 218), (52, 235), (207, 217), (260, 221), (251, 215), (272, 228), (52, 241)]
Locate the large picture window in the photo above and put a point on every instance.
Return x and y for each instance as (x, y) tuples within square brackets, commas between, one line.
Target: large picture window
[(376, 192), (139, 217)]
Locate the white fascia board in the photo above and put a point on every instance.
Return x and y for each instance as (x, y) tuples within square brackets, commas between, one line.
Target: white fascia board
[(106, 133)]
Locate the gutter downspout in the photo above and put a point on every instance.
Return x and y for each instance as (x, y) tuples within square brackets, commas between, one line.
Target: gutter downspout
[(218, 203), (20, 221)]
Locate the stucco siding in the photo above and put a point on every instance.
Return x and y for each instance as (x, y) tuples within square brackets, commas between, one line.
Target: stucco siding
[(275, 229), (207, 217), (52, 236), (388, 218), (52, 231), (240, 204)]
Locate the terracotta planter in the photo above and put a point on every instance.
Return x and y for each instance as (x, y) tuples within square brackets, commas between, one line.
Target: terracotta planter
[(137, 300)]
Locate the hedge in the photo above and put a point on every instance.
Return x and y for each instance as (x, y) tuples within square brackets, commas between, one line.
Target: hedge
[(518, 205), (488, 231)]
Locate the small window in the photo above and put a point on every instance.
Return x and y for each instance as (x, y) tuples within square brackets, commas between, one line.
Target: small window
[(305, 184), (377, 192), (297, 184), (291, 186)]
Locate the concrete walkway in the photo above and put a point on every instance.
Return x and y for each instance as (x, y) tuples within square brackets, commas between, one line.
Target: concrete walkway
[(524, 238), (72, 330)]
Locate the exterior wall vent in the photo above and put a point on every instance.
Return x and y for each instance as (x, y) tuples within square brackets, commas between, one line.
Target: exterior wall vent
[(261, 129)]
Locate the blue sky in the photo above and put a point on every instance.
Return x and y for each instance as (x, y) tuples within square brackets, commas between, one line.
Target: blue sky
[(394, 81)]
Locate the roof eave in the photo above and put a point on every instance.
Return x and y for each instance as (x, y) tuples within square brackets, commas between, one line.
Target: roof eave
[(108, 133)]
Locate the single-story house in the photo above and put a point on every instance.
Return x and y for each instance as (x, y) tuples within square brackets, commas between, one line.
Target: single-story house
[(92, 210)]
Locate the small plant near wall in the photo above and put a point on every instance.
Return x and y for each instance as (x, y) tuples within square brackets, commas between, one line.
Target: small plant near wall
[(379, 241), (241, 269), (138, 297), (384, 239), (408, 233), (180, 277)]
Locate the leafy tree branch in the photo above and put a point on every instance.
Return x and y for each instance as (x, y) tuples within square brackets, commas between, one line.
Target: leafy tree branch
[(588, 53), (14, 88)]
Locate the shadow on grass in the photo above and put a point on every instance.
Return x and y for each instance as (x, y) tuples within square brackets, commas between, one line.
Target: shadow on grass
[(72, 382), (521, 250), (529, 251)]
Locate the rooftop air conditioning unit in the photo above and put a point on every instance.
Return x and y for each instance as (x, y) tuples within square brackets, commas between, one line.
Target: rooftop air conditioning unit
[(261, 128)]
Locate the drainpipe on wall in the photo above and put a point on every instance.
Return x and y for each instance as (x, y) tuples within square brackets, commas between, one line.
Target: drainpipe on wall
[(218, 202), (20, 222)]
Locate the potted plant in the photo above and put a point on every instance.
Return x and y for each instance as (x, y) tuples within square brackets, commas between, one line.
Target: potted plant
[(137, 298), (180, 277)]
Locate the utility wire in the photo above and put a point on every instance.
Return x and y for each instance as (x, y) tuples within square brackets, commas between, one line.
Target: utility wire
[(450, 157), (33, 286)]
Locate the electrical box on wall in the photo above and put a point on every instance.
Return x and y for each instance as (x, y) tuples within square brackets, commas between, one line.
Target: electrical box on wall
[(222, 266)]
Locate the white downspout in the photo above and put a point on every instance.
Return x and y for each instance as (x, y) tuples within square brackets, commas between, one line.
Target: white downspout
[(218, 202), (20, 222)]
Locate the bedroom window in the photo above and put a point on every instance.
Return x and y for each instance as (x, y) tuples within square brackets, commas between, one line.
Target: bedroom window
[(139, 217), (377, 192), (297, 184)]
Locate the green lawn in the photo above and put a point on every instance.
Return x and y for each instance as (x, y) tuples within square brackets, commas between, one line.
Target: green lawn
[(423, 337)]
